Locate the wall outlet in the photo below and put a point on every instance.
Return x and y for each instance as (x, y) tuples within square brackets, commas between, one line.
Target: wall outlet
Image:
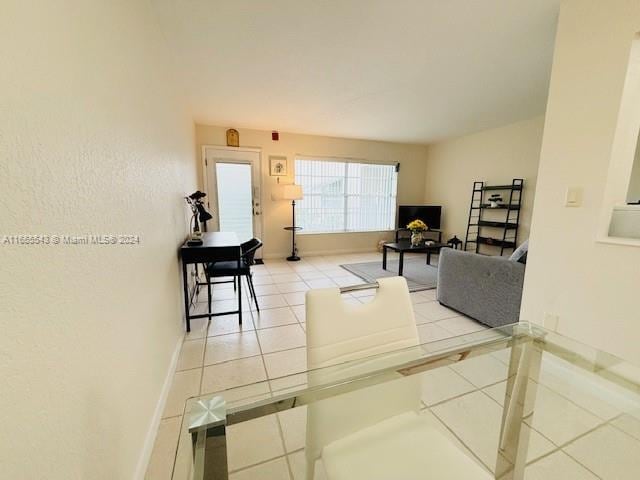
[(551, 321)]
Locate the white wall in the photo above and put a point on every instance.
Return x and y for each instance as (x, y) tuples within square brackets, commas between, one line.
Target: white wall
[(91, 141), (276, 215), (495, 156), (593, 287)]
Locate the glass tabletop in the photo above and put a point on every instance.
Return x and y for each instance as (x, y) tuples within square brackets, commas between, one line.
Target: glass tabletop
[(510, 403)]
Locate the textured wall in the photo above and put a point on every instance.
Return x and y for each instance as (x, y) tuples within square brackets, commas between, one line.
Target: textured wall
[(277, 215), (495, 156), (92, 140), (591, 286)]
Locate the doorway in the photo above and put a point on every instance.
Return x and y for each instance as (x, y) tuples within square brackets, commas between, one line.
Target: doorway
[(232, 183)]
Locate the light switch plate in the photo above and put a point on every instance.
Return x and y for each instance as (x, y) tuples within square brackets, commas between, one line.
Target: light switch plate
[(573, 197)]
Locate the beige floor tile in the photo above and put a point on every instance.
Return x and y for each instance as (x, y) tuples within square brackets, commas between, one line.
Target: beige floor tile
[(559, 419), (292, 287), (191, 354), (629, 424), (281, 338), (430, 332), (287, 362), (298, 464), (311, 275), (226, 306), (272, 470), (164, 450), (229, 324), (321, 283), (199, 328), (270, 301), (461, 325), (476, 420), (233, 346), (301, 267), (289, 383), (231, 374), (278, 268), (245, 394), (286, 278), (262, 290), (365, 298), (434, 311), (294, 428), (442, 384), (295, 298), (423, 296), (263, 280), (482, 370), (607, 452), (253, 441), (557, 466), (274, 317), (185, 384), (347, 280), (300, 312)]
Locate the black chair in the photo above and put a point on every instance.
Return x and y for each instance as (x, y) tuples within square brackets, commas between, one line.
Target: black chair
[(237, 268)]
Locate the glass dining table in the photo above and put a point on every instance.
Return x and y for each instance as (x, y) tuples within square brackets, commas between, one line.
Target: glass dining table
[(507, 403)]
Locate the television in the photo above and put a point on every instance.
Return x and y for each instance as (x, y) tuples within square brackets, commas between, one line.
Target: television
[(429, 214)]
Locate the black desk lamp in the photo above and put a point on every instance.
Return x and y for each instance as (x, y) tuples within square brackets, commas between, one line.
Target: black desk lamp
[(200, 214)]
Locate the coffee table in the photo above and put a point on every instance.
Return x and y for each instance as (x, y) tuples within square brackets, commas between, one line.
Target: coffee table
[(403, 246)]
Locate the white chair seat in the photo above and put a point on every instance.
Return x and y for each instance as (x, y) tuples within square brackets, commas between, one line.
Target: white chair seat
[(404, 447)]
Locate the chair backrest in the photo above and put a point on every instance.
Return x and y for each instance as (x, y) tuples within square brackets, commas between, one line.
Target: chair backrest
[(339, 332), (249, 249)]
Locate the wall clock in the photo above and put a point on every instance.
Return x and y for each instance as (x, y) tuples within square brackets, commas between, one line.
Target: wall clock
[(233, 138)]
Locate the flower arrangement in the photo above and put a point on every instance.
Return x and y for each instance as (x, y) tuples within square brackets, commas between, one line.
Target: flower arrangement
[(417, 226)]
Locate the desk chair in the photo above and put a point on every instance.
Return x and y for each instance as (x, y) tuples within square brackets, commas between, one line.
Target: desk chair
[(377, 432), (236, 268)]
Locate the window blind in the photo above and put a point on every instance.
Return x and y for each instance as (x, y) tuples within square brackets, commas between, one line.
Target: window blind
[(345, 196)]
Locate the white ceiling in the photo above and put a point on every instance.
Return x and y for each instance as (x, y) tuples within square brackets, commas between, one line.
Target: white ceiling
[(405, 70)]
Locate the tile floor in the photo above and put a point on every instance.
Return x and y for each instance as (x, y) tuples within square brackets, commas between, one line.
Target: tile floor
[(578, 431)]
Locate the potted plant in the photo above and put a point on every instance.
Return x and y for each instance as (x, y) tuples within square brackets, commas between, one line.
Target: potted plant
[(417, 227)]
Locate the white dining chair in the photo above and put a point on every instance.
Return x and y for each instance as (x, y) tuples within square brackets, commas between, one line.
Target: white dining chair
[(375, 432)]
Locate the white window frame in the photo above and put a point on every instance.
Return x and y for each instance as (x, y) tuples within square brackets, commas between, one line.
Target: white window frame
[(347, 160)]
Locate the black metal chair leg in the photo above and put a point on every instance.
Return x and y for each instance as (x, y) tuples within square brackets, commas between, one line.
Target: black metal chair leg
[(234, 284), (253, 289), (239, 300), (209, 297)]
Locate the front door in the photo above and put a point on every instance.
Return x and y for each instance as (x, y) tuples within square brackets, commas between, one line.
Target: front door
[(232, 182)]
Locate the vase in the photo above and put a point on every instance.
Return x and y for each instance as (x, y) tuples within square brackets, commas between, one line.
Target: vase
[(416, 238)]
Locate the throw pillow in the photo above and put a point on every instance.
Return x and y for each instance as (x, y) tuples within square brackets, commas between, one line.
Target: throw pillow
[(520, 254)]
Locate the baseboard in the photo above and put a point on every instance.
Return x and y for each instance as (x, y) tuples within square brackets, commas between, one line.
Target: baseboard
[(315, 253), (150, 438)]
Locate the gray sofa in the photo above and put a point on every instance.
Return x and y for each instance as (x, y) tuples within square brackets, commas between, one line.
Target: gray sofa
[(488, 289)]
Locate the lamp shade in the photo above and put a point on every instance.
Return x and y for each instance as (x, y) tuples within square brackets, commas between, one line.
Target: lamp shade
[(287, 192)]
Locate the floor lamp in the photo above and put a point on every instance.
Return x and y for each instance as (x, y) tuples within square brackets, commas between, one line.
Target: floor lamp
[(291, 192)]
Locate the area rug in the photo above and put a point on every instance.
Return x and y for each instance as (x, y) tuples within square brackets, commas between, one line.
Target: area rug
[(418, 275)]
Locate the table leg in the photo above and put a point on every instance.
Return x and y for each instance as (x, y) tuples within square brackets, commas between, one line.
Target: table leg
[(185, 284), (401, 266), (428, 257), (384, 257)]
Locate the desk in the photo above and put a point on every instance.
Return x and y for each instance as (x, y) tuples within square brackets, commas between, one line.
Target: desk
[(215, 246)]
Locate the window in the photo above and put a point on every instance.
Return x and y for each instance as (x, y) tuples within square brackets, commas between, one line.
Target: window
[(346, 196)]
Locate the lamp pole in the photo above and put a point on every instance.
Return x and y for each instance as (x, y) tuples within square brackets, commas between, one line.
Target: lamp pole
[(293, 257)]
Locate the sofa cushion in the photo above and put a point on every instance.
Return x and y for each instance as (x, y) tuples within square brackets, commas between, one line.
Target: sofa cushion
[(520, 254)]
